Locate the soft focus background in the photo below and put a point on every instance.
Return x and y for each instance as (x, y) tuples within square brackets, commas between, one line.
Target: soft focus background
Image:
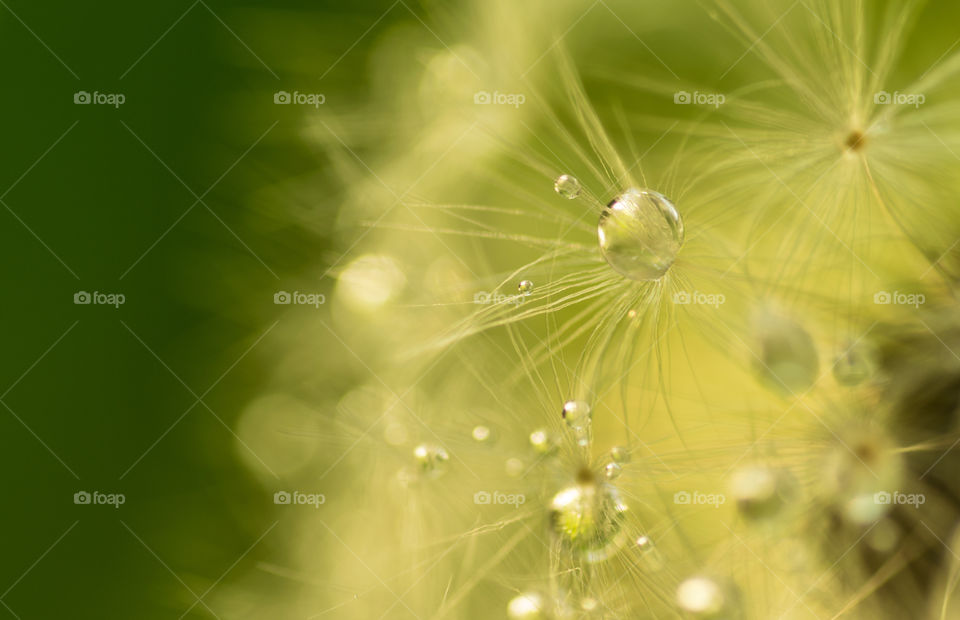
[(198, 200)]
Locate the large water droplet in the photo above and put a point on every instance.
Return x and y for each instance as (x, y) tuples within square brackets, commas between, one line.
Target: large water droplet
[(525, 287), (589, 515), (567, 186), (640, 233)]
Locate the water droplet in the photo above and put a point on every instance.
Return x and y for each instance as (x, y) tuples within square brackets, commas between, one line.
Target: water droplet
[(514, 467), (612, 471), (640, 233), (855, 365), (577, 414), (759, 491), (432, 459), (701, 596), (481, 433), (525, 287), (788, 358), (649, 554), (632, 314), (527, 606), (589, 516), (567, 186), (619, 454), (543, 442)]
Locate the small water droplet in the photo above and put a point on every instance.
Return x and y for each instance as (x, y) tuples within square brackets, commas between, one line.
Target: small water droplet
[(640, 233), (649, 554), (577, 414), (525, 287), (543, 442), (788, 357), (432, 459), (855, 365), (619, 454), (701, 596), (759, 491), (527, 606), (567, 186), (612, 471), (481, 433), (514, 467)]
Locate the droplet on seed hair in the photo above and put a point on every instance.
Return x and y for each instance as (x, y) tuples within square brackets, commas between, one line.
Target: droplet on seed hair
[(640, 234), (567, 186)]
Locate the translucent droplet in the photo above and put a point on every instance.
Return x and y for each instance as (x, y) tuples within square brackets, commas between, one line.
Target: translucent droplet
[(567, 186), (589, 516), (855, 365), (788, 358), (701, 596), (577, 414), (431, 459), (612, 471), (525, 287), (543, 442), (481, 433), (514, 467), (619, 454), (650, 556), (759, 491), (640, 233), (527, 606)]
